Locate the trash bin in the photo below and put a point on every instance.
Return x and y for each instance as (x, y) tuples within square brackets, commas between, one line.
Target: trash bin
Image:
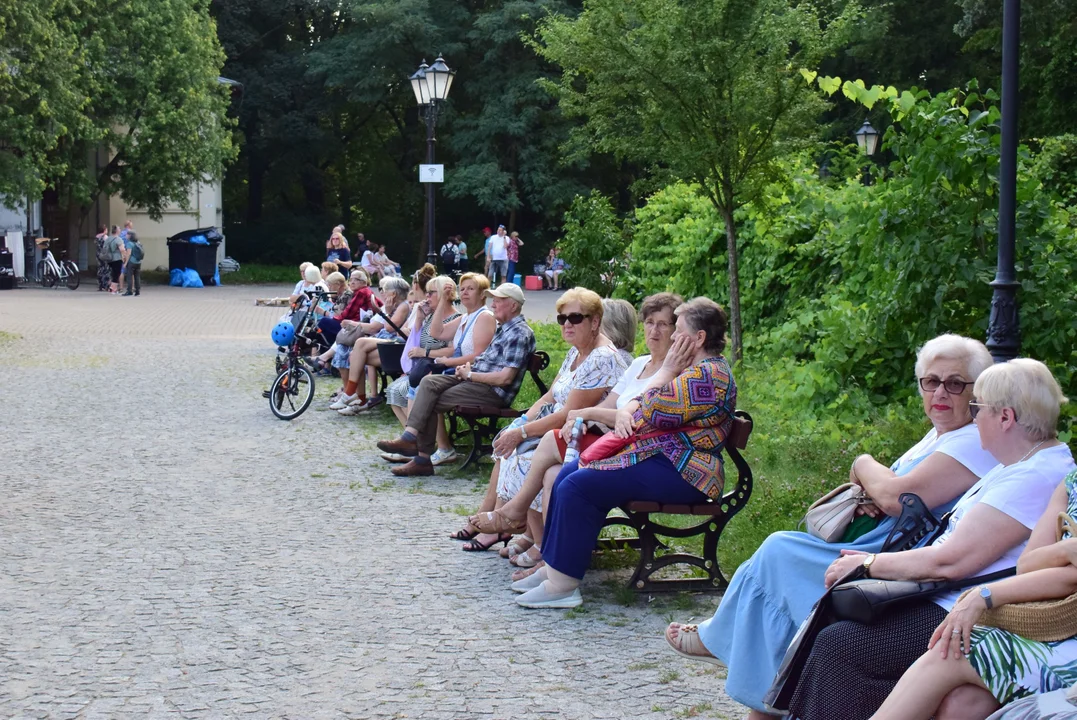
[(196, 249)]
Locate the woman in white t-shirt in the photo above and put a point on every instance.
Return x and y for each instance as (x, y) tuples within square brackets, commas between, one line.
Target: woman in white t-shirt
[(658, 323), (853, 667)]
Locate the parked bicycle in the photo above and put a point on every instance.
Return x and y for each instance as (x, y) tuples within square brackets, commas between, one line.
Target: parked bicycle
[(293, 390), (50, 272)]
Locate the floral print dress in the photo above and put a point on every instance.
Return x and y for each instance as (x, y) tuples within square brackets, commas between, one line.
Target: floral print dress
[(603, 368), (1013, 667)]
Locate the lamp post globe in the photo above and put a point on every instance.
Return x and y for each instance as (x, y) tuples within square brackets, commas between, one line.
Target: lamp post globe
[(431, 84), (867, 138)]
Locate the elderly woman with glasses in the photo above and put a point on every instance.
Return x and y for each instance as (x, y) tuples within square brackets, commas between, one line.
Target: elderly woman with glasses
[(591, 368), (772, 593), (673, 433), (853, 666), (619, 324)]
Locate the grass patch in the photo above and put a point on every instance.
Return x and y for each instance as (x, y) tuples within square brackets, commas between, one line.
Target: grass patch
[(636, 667), (9, 337), (667, 676), (258, 274), (694, 710)]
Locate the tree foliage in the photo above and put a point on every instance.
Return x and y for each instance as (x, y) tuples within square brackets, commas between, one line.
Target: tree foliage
[(138, 79), (703, 90)]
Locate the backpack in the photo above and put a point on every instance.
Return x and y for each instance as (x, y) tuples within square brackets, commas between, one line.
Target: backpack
[(136, 253), (102, 251), (448, 255)]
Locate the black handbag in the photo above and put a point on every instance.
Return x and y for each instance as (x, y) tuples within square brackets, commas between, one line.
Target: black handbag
[(913, 526), (865, 601)]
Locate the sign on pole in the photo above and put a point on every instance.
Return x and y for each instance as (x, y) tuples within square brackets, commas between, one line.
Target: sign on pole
[(432, 173)]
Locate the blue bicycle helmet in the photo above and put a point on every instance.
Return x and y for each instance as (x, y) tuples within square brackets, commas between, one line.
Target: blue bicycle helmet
[(283, 334)]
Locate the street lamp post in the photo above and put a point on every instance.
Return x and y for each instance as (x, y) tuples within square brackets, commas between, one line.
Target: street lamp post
[(867, 139), (431, 84), (1003, 329)]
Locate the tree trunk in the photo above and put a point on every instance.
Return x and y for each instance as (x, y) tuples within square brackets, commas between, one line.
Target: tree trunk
[(734, 284)]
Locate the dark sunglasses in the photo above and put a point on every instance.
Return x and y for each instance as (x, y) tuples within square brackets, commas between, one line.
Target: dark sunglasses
[(953, 385), (574, 318)]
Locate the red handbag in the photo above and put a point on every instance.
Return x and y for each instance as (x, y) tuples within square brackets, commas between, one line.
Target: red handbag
[(609, 445)]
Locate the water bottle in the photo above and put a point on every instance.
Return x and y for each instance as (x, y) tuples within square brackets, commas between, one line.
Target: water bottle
[(572, 452)]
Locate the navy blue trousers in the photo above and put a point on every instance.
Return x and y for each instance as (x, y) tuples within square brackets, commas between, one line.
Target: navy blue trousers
[(581, 500)]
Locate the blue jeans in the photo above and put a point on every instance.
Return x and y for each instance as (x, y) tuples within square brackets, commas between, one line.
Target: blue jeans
[(581, 500), (510, 274)]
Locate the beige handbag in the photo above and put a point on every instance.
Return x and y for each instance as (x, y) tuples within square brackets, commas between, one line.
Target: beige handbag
[(829, 516), (347, 336)]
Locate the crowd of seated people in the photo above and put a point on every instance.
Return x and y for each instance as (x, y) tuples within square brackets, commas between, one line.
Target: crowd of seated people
[(653, 429)]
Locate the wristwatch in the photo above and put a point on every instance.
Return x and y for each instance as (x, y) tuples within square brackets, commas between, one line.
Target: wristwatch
[(985, 593), (867, 564)]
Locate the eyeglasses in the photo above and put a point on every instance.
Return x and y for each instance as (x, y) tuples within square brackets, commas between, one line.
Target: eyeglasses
[(974, 409), (953, 385), (431, 292), (574, 318)]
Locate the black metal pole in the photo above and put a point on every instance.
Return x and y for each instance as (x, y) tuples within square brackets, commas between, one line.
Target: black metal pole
[(1004, 330), (431, 119)]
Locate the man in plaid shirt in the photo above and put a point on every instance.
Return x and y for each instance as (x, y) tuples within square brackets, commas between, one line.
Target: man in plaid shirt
[(494, 379)]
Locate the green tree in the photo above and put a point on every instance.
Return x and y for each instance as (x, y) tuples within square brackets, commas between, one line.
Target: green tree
[(41, 101), (701, 90), (137, 79)]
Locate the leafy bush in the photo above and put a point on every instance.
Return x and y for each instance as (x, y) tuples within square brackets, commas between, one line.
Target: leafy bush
[(594, 245)]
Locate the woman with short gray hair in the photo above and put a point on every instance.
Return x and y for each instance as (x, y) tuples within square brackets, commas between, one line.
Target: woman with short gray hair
[(772, 593), (619, 324)]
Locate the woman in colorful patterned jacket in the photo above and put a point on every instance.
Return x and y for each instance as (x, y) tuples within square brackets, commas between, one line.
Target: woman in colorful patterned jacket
[(674, 431)]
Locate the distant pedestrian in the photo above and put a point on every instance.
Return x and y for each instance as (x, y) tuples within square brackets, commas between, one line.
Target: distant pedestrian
[(338, 252), (487, 233), (135, 254), (461, 255), (114, 249), (128, 228), (514, 245), (499, 257), (361, 245), (103, 272), (448, 256)]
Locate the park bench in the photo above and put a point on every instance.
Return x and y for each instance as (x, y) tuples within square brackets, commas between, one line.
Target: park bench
[(482, 422), (716, 515)]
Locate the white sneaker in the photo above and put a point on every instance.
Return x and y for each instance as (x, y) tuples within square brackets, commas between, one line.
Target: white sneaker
[(538, 598), (353, 409), (530, 582), (440, 457), (342, 402)]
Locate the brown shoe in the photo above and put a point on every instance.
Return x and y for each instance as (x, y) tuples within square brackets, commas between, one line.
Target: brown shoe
[(413, 468), (402, 447)]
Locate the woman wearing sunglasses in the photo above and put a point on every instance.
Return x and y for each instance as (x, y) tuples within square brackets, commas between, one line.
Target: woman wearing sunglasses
[(673, 433), (772, 593), (853, 667), (657, 312), (591, 368)]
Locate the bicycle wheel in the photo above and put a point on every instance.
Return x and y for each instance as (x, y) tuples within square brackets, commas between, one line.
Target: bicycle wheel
[(72, 278), (45, 275), (292, 392)]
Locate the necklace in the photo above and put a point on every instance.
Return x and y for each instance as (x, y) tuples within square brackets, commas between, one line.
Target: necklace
[(1034, 447)]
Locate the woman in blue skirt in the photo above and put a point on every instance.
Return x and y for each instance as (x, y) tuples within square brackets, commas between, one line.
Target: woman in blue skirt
[(773, 592)]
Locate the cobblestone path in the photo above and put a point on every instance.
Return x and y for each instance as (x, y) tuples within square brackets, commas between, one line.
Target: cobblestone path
[(169, 549)]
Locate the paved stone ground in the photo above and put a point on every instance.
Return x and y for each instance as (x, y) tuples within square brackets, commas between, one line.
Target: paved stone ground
[(169, 548)]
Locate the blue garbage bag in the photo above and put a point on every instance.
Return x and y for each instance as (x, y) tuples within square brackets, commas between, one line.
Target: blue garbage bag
[(198, 240), (191, 279), (175, 277), (217, 277)]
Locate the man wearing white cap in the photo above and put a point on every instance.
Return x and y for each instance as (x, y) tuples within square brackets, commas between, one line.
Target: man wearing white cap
[(494, 379)]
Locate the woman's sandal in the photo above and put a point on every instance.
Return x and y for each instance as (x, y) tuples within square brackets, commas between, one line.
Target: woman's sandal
[(525, 559), (520, 545), (496, 522), (521, 574), (687, 643), (465, 533), (476, 546)]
